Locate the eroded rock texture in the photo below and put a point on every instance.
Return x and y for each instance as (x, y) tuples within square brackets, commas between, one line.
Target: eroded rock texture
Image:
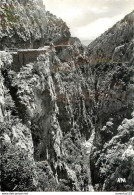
[(26, 24), (112, 58), (67, 120)]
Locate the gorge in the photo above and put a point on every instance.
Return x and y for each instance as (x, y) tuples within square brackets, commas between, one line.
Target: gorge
[(66, 113)]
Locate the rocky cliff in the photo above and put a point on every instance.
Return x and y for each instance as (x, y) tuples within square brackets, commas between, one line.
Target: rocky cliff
[(112, 59), (26, 24), (116, 44), (67, 118)]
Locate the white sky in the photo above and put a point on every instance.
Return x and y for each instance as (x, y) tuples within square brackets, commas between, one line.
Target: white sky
[(87, 19)]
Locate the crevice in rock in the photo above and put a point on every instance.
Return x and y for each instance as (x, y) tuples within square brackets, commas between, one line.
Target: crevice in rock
[(20, 108)]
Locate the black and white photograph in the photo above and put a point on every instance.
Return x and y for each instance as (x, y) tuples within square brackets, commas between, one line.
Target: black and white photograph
[(67, 96)]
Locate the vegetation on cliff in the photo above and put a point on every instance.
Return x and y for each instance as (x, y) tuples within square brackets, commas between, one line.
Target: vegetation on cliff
[(66, 120)]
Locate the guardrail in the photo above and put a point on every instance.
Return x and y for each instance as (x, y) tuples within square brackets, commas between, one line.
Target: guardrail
[(62, 45), (11, 49)]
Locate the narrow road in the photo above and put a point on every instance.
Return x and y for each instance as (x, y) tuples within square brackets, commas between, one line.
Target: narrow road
[(14, 50)]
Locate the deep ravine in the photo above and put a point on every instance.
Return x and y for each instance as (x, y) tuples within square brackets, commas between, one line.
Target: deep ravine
[(66, 116)]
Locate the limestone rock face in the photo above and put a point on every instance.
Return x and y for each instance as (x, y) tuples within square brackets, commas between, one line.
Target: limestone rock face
[(69, 113), (112, 59), (5, 62), (26, 24), (116, 44)]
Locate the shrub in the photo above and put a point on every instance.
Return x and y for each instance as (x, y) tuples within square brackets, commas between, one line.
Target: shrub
[(16, 170), (46, 181)]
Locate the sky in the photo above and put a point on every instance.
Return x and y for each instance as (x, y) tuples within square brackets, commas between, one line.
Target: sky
[(87, 19)]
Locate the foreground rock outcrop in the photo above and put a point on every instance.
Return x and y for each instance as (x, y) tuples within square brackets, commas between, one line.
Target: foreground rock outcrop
[(67, 121)]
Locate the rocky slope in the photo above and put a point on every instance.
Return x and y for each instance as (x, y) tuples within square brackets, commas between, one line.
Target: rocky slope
[(26, 24), (112, 59), (116, 44), (66, 119)]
